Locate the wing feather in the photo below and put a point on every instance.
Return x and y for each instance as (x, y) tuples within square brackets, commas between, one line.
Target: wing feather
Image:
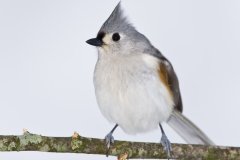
[(169, 77)]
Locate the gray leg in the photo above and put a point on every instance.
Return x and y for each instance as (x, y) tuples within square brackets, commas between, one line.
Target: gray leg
[(109, 139), (165, 142)]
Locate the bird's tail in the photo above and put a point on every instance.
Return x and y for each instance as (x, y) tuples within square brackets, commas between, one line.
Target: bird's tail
[(187, 130)]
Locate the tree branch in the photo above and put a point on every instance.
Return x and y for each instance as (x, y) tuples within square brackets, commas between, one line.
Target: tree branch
[(79, 144)]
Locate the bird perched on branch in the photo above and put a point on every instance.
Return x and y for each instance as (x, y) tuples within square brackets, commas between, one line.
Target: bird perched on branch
[(136, 86)]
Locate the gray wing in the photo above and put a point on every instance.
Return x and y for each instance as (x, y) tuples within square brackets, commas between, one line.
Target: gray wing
[(170, 78), (181, 124), (172, 82)]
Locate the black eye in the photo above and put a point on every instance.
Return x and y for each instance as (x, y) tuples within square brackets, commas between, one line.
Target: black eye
[(116, 37)]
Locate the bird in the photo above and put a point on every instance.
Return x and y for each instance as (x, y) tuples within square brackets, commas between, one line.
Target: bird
[(136, 86)]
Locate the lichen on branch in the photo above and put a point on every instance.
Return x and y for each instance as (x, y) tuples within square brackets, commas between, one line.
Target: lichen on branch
[(79, 144)]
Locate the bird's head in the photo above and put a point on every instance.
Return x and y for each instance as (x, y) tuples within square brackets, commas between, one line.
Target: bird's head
[(118, 36)]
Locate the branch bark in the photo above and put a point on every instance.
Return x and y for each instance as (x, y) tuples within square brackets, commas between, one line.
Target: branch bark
[(79, 144)]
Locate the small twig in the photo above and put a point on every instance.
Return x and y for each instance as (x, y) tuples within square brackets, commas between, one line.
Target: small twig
[(79, 144)]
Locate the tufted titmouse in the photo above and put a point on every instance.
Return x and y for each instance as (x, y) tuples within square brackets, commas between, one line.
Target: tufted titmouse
[(136, 86)]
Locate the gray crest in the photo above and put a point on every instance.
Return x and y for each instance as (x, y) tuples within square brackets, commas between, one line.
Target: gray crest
[(117, 22)]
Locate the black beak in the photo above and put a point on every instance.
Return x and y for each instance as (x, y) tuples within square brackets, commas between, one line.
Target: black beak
[(95, 42)]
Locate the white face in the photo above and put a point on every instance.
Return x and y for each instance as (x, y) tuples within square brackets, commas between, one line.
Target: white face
[(112, 43), (120, 43)]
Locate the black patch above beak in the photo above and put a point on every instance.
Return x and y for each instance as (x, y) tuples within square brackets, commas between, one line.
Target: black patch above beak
[(95, 42)]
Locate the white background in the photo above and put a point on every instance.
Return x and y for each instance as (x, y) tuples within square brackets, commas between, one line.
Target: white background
[(46, 68)]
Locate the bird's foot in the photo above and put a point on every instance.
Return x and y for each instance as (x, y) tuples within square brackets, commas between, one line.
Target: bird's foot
[(109, 140), (166, 145)]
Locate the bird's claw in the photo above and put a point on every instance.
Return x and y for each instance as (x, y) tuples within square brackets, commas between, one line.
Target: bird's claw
[(109, 140), (166, 145)]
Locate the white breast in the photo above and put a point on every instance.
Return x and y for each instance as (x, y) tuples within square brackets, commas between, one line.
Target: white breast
[(129, 92)]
